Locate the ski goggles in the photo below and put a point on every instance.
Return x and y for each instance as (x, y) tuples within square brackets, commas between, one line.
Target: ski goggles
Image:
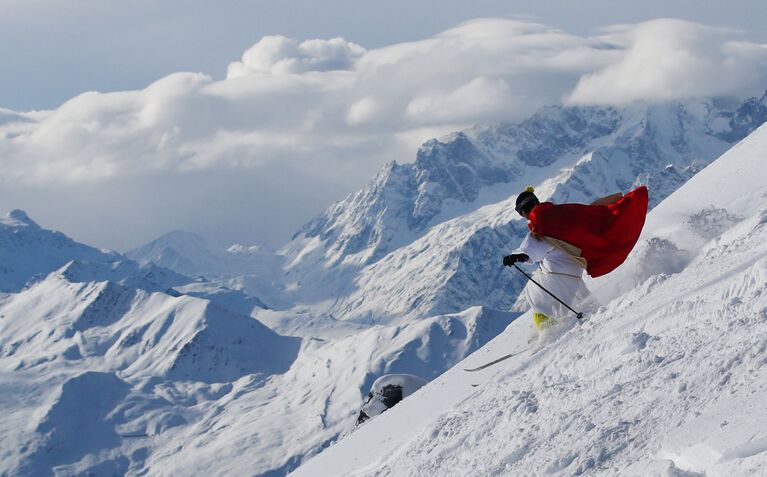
[(523, 205)]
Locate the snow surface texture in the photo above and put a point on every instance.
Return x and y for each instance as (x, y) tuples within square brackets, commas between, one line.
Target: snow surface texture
[(197, 385), (181, 370), (668, 379)]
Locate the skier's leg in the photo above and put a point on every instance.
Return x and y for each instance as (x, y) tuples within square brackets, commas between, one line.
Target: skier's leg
[(541, 321), (551, 319), (540, 302), (571, 290)]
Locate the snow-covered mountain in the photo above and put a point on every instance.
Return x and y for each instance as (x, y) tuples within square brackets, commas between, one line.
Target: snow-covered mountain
[(426, 224), (29, 253), (643, 138), (190, 254), (173, 375), (667, 379), (93, 367), (141, 372), (237, 267), (138, 358), (439, 224)]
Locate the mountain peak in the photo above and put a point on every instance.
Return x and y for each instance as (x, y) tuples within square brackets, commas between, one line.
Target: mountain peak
[(20, 217), (181, 235)]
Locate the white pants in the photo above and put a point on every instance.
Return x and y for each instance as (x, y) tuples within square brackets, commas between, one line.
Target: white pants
[(568, 288)]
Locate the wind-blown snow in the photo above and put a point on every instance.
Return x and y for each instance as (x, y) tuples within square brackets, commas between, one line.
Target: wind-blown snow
[(667, 379)]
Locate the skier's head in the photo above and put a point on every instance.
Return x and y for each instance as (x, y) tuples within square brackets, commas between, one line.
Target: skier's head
[(526, 201)]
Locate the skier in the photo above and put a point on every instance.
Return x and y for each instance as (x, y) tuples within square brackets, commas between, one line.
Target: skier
[(569, 238)]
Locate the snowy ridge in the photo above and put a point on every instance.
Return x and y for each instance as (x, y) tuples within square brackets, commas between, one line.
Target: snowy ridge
[(140, 332), (667, 379), (98, 343), (570, 154), (237, 268), (28, 251), (179, 368)]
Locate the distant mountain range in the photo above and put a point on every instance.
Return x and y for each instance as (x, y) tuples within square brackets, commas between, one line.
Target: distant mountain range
[(216, 361), (426, 238)]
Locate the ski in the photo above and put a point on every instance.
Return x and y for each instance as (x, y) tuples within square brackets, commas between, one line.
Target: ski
[(487, 365)]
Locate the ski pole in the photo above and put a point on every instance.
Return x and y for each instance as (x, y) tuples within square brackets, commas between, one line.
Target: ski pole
[(577, 315)]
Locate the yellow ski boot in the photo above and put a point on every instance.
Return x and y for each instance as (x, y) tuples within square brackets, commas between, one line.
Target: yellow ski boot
[(542, 321)]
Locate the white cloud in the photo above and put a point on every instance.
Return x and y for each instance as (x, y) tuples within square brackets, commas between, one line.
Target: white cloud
[(667, 59), (362, 111), (329, 112), (280, 55), (479, 99)]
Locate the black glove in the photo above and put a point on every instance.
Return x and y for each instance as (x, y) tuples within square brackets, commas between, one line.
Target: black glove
[(510, 260)]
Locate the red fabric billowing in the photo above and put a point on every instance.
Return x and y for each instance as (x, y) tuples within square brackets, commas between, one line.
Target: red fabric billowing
[(604, 233)]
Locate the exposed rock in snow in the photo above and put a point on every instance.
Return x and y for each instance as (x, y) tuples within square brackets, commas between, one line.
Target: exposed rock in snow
[(388, 391)]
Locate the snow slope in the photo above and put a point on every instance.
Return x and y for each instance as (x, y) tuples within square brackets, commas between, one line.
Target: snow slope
[(193, 385), (141, 358), (432, 223), (668, 379), (173, 370)]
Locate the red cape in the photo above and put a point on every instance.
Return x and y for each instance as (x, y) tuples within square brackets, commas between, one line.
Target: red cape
[(605, 234)]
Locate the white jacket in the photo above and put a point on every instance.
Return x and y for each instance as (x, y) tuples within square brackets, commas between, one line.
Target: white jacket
[(553, 260)]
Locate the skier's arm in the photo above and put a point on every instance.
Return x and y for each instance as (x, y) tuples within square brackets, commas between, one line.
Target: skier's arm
[(510, 260), (607, 200), (534, 248)]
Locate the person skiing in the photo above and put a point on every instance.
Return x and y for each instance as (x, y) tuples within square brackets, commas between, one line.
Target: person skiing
[(569, 238)]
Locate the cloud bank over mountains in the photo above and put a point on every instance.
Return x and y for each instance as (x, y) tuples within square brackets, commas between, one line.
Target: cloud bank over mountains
[(672, 59), (323, 115)]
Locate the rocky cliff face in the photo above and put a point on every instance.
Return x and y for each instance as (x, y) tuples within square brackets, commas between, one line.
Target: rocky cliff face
[(381, 244)]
